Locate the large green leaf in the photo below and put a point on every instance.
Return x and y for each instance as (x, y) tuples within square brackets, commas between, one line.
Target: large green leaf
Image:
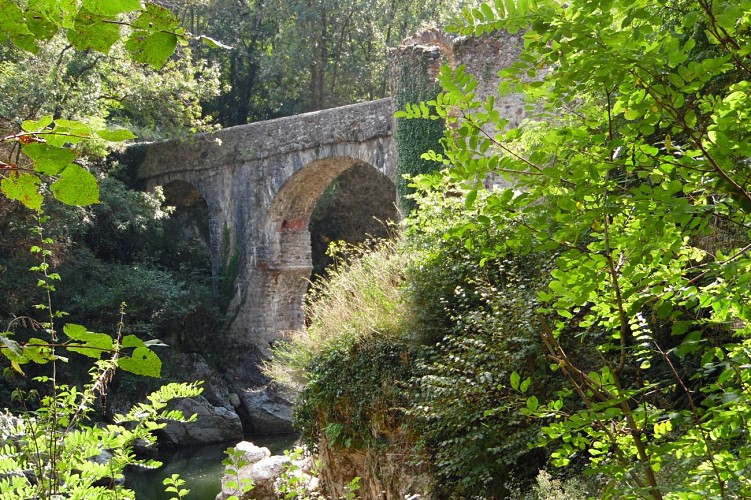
[(111, 7), (37, 125), (68, 132), (24, 188), (76, 186), (90, 344), (49, 159), (152, 49), (13, 24), (116, 135), (143, 362), (155, 35), (40, 16), (93, 31)]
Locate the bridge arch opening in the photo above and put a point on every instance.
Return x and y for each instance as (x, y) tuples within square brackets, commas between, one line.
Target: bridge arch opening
[(188, 227), (358, 205), (339, 198)]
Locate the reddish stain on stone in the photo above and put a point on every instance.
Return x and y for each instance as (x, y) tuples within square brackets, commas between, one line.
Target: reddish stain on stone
[(294, 225)]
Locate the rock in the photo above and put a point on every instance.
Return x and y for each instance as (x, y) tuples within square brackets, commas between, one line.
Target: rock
[(264, 474), (234, 400), (269, 410), (214, 424), (268, 474), (251, 452), (215, 389)]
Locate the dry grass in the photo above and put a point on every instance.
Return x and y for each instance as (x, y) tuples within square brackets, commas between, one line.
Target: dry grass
[(359, 300)]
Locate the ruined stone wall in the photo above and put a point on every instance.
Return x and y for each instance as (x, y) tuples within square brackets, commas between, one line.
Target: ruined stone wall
[(423, 54)]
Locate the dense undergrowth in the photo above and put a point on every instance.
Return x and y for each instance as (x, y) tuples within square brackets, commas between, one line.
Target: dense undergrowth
[(414, 340), (591, 311), (126, 249)]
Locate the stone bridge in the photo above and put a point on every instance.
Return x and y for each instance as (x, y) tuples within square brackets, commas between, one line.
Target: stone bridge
[(260, 183)]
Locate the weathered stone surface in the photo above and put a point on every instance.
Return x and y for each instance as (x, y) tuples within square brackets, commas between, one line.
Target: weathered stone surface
[(269, 409), (214, 424), (251, 452)]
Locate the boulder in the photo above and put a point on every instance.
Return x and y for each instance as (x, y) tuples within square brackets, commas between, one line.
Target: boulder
[(214, 424), (251, 452), (269, 474), (269, 409)]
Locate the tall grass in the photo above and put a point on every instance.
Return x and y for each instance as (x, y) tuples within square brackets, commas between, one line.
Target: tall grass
[(360, 300)]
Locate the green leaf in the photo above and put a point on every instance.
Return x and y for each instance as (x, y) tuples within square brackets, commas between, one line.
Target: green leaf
[(68, 132), (213, 43), (48, 159), (470, 199), (94, 344), (515, 379), (154, 37), (117, 135), (153, 49), (23, 187), (40, 19), (93, 31), (525, 385), (13, 24), (111, 8), (76, 186), (143, 361), (38, 125), (532, 403), (132, 341)]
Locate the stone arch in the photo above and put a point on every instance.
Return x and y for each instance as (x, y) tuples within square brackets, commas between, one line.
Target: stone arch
[(286, 228), (359, 205), (287, 269), (189, 229)]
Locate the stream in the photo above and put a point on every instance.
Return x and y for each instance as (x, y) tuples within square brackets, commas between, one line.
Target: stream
[(200, 466)]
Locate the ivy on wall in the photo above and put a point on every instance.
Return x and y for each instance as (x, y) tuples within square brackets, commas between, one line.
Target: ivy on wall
[(414, 137)]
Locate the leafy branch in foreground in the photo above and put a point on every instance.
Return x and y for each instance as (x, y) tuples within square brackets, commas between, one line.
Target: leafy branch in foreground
[(52, 448), (633, 168)]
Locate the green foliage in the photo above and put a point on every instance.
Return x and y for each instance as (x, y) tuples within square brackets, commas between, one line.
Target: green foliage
[(477, 311), (635, 149), (293, 57), (353, 395), (359, 301), (173, 485), (51, 449), (54, 452), (232, 464), (412, 137), (292, 482)]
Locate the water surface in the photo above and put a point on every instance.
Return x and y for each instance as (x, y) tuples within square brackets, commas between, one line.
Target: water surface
[(200, 466)]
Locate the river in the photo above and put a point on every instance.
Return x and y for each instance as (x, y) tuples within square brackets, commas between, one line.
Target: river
[(200, 466)]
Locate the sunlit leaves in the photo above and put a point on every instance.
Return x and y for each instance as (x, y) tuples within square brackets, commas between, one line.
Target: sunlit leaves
[(13, 24), (93, 31), (93, 345), (37, 125), (24, 188), (155, 35), (636, 159), (48, 159), (116, 135), (111, 7), (76, 186), (142, 361)]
